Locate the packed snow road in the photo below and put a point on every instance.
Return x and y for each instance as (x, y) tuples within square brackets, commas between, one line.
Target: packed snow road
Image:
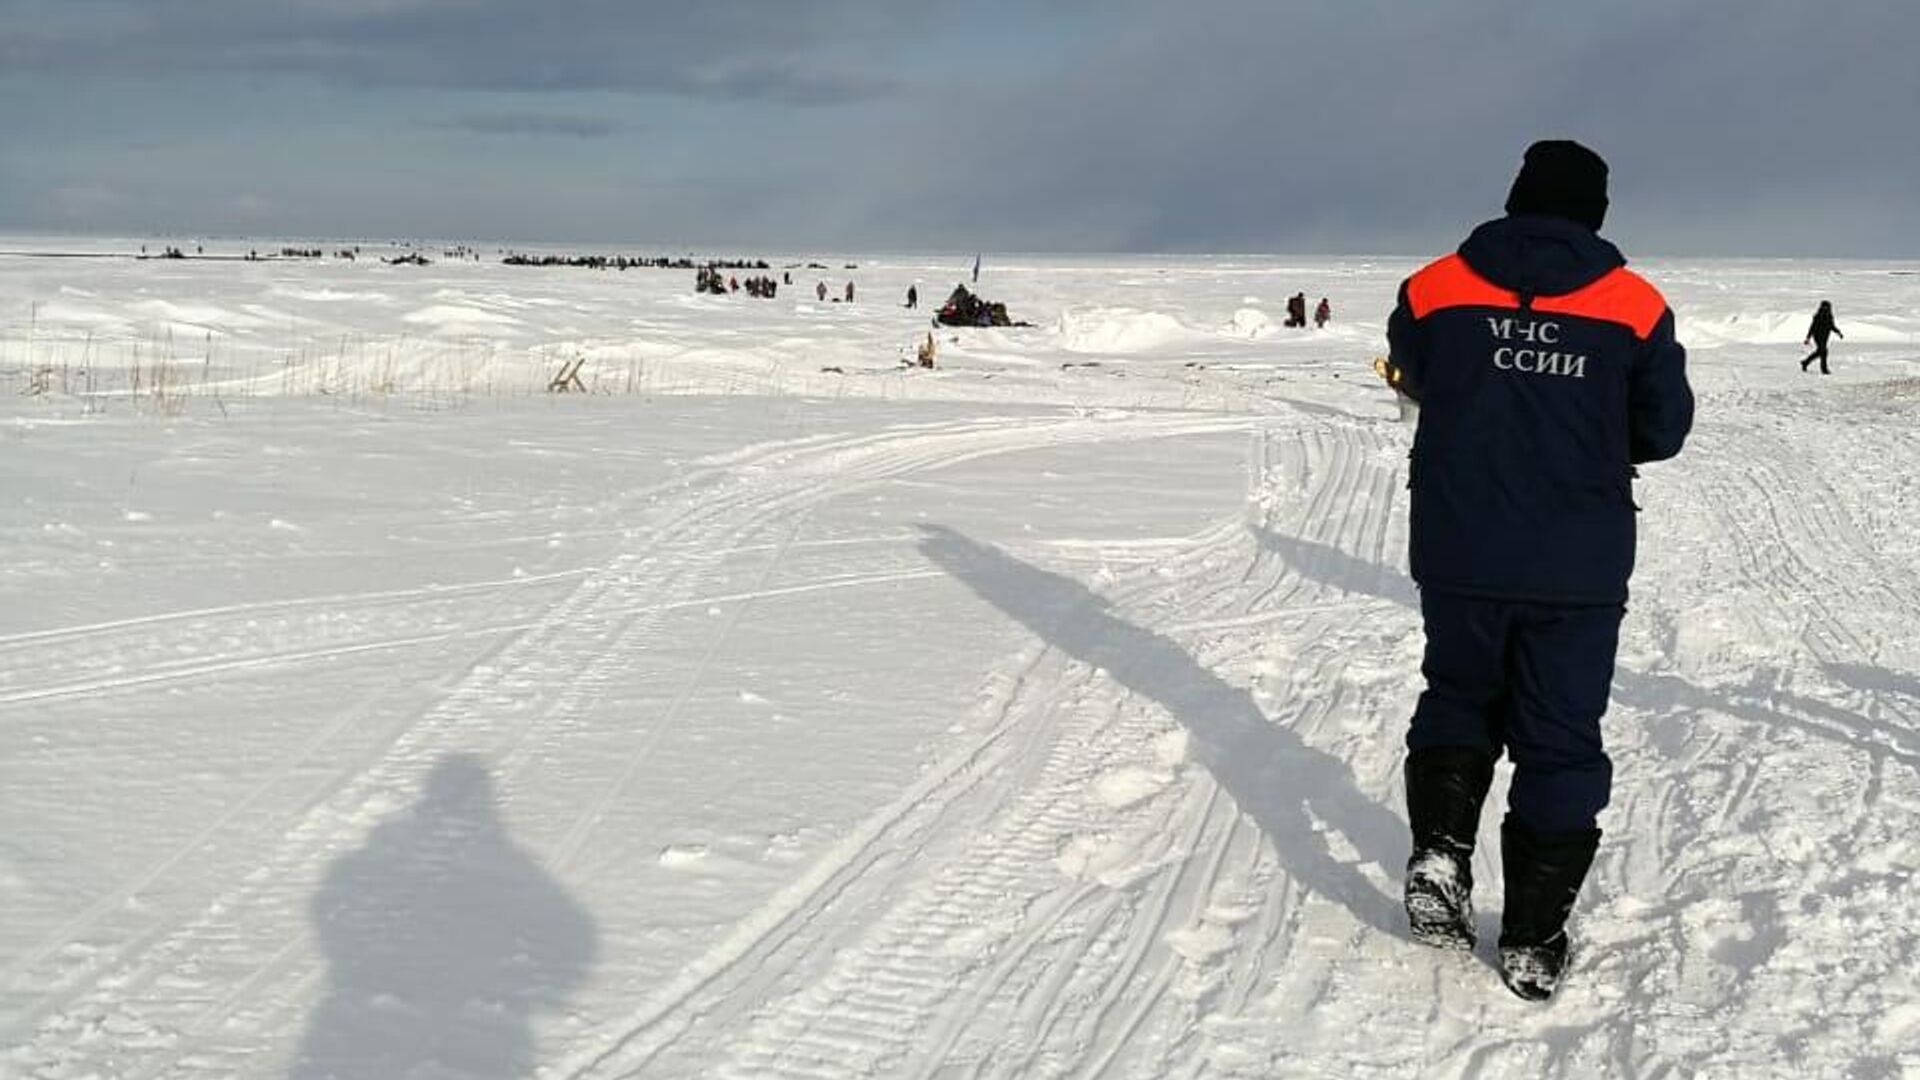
[(1026, 720)]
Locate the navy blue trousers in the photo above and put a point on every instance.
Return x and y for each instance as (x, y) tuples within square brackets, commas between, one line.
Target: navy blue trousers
[(1530, 680)]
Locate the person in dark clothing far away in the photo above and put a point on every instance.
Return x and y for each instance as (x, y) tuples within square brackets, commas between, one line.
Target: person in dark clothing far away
[(1297, 310), (1321, 313), (913, 297), (1545, 371), (1817, 335)]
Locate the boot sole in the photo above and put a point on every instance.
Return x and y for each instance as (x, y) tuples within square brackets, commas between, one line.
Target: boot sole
[(1527, 991), (1524, 985), (1447, 938), (1434, 922)]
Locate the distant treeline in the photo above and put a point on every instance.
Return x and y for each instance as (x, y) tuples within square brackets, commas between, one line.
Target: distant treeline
[(629, 262)]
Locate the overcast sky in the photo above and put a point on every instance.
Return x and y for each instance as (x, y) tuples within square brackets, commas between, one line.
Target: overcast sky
[(1755, 127)]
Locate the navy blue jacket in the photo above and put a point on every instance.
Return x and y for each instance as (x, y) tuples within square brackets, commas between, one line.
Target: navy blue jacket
[(1545, 370)]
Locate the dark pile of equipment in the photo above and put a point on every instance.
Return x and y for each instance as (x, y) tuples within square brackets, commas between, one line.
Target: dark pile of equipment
[(963, 308)]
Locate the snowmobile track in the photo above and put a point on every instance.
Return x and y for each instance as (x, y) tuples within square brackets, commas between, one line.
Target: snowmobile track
[(148, 990)]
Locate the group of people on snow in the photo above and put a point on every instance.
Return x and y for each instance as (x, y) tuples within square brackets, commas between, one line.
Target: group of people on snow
[(1297, 311), (763, 286), (710, 280)]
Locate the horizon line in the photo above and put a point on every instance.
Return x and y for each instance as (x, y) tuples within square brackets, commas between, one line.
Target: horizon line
[(657, 248)]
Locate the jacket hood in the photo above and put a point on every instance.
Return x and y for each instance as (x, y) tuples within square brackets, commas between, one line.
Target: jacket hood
[(1537, 255)]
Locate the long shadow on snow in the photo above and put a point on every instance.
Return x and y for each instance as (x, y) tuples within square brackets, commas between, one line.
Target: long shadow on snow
[(442, 938), (1762, 702), (1330, 566), (1882, 683), (1273, 776), (1876, 680)]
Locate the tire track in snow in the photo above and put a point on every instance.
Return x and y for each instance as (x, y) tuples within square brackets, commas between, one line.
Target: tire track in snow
[(188, 670), (116, 901), (905, 1000), (335, 821), (1328, 472), (722, 982), (113, 902), (660, 1023), (1689, 907), (1330, 491), (119, 896), (99, 629), (144, 992), (145, 978)]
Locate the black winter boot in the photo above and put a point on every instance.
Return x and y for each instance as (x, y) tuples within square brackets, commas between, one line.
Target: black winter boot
[(1445, 787), (1544, 873)]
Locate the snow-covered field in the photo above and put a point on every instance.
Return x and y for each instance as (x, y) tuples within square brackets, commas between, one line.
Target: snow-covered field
[(367, 711)]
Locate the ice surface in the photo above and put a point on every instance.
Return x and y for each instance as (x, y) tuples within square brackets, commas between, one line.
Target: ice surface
[(776, 709)]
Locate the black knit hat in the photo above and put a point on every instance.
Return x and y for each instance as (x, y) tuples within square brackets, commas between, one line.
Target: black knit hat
[(1561, 178)]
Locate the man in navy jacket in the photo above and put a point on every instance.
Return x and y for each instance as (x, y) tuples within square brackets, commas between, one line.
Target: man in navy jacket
[(1545, 371)]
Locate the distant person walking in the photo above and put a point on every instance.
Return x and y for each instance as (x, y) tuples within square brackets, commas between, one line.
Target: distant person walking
[(820, 291), (913, 297), (1817, 335), (1322, 313), (976, 269), (849, 292)]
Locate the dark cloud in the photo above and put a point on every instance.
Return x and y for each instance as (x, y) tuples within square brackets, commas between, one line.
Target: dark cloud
[(579, 127), (1334, 126), (1225, 125), (800, 54)]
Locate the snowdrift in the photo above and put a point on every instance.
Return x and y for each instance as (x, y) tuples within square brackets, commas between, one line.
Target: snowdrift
[(1252, 323), (1789, 328), (1119, 330)]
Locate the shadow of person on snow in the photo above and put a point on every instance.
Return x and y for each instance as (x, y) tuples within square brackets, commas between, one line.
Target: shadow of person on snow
[(1875, 680), (1275, 778), (1330, 566), (1762, 702), (442, 937)]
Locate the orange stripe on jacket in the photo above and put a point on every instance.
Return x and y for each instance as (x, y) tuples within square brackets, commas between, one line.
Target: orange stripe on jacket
[(1450, 282), (1618, 296)]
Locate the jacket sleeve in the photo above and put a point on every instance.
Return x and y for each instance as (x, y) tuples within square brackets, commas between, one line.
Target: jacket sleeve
[(1659, 401), (1403, 347)]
